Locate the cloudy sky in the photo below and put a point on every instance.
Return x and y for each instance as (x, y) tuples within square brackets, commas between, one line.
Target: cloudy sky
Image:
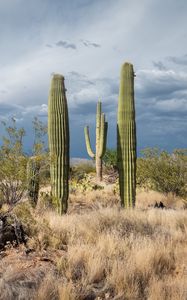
[(87, 41)]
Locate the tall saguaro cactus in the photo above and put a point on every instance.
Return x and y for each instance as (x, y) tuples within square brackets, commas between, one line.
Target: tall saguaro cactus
[(101, 138), (58, 132), (126, 137)]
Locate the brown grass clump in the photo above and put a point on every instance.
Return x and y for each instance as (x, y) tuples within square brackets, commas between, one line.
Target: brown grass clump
[(93, 200)]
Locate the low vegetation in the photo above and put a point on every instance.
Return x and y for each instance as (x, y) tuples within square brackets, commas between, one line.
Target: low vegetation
[(157, 170), (98, 253), (97, 250), (163, 172)]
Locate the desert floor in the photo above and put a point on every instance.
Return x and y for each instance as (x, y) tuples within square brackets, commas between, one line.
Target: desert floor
[(99, 251)]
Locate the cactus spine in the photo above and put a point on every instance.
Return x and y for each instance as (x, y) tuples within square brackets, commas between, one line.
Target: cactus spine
[(126, 137), (58, 133), (33, 168), (101, 138)]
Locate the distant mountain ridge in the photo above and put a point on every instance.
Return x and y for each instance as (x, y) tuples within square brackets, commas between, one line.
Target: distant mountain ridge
[(78, 160)]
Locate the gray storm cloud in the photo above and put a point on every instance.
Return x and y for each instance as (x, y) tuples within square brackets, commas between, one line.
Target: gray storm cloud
[(87, 41)]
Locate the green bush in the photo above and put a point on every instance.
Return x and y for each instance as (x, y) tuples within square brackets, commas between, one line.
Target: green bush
[(110, 158), (13, 179), (163, 172), (13, 160)]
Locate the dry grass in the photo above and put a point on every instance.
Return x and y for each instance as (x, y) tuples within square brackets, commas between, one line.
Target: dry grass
[(100, 252), (91, 200), (149, 198)]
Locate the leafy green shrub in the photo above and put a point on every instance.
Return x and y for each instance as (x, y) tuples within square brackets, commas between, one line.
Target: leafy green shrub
[(13, 179), (110, 158), (13, 160), (163, 172)]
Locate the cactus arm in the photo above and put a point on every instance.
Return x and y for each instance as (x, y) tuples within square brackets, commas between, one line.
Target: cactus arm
[(88, 144)]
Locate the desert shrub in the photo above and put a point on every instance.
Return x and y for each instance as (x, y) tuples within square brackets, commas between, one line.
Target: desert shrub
[(163, 172), (13, 180), (81, 176), (79, 170), (46, 201), (110, 158), (84, 183), (39, 151), (45, 175), (13, 160), (24, 213)]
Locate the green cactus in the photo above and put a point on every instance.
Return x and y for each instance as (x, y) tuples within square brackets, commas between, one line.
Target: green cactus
[(126, 137), (101, 138), (33, 169), (58, 133)]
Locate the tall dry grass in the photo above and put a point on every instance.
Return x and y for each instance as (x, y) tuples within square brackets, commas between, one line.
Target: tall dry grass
[(103, 253)]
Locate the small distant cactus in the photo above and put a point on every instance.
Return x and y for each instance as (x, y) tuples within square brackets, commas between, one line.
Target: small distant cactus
[(101, 139), (126, 137), (33, 169), (58, 132)]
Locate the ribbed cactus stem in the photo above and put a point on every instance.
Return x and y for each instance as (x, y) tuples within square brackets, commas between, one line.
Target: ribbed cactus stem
[(33, 169), (98, 128), (126, 137), (58, 132), (103, 135), (101, 140)]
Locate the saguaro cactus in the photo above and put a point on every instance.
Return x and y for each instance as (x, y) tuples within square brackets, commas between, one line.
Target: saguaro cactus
[(126, 137), (33, 169), (58, 132), (101, 138)]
